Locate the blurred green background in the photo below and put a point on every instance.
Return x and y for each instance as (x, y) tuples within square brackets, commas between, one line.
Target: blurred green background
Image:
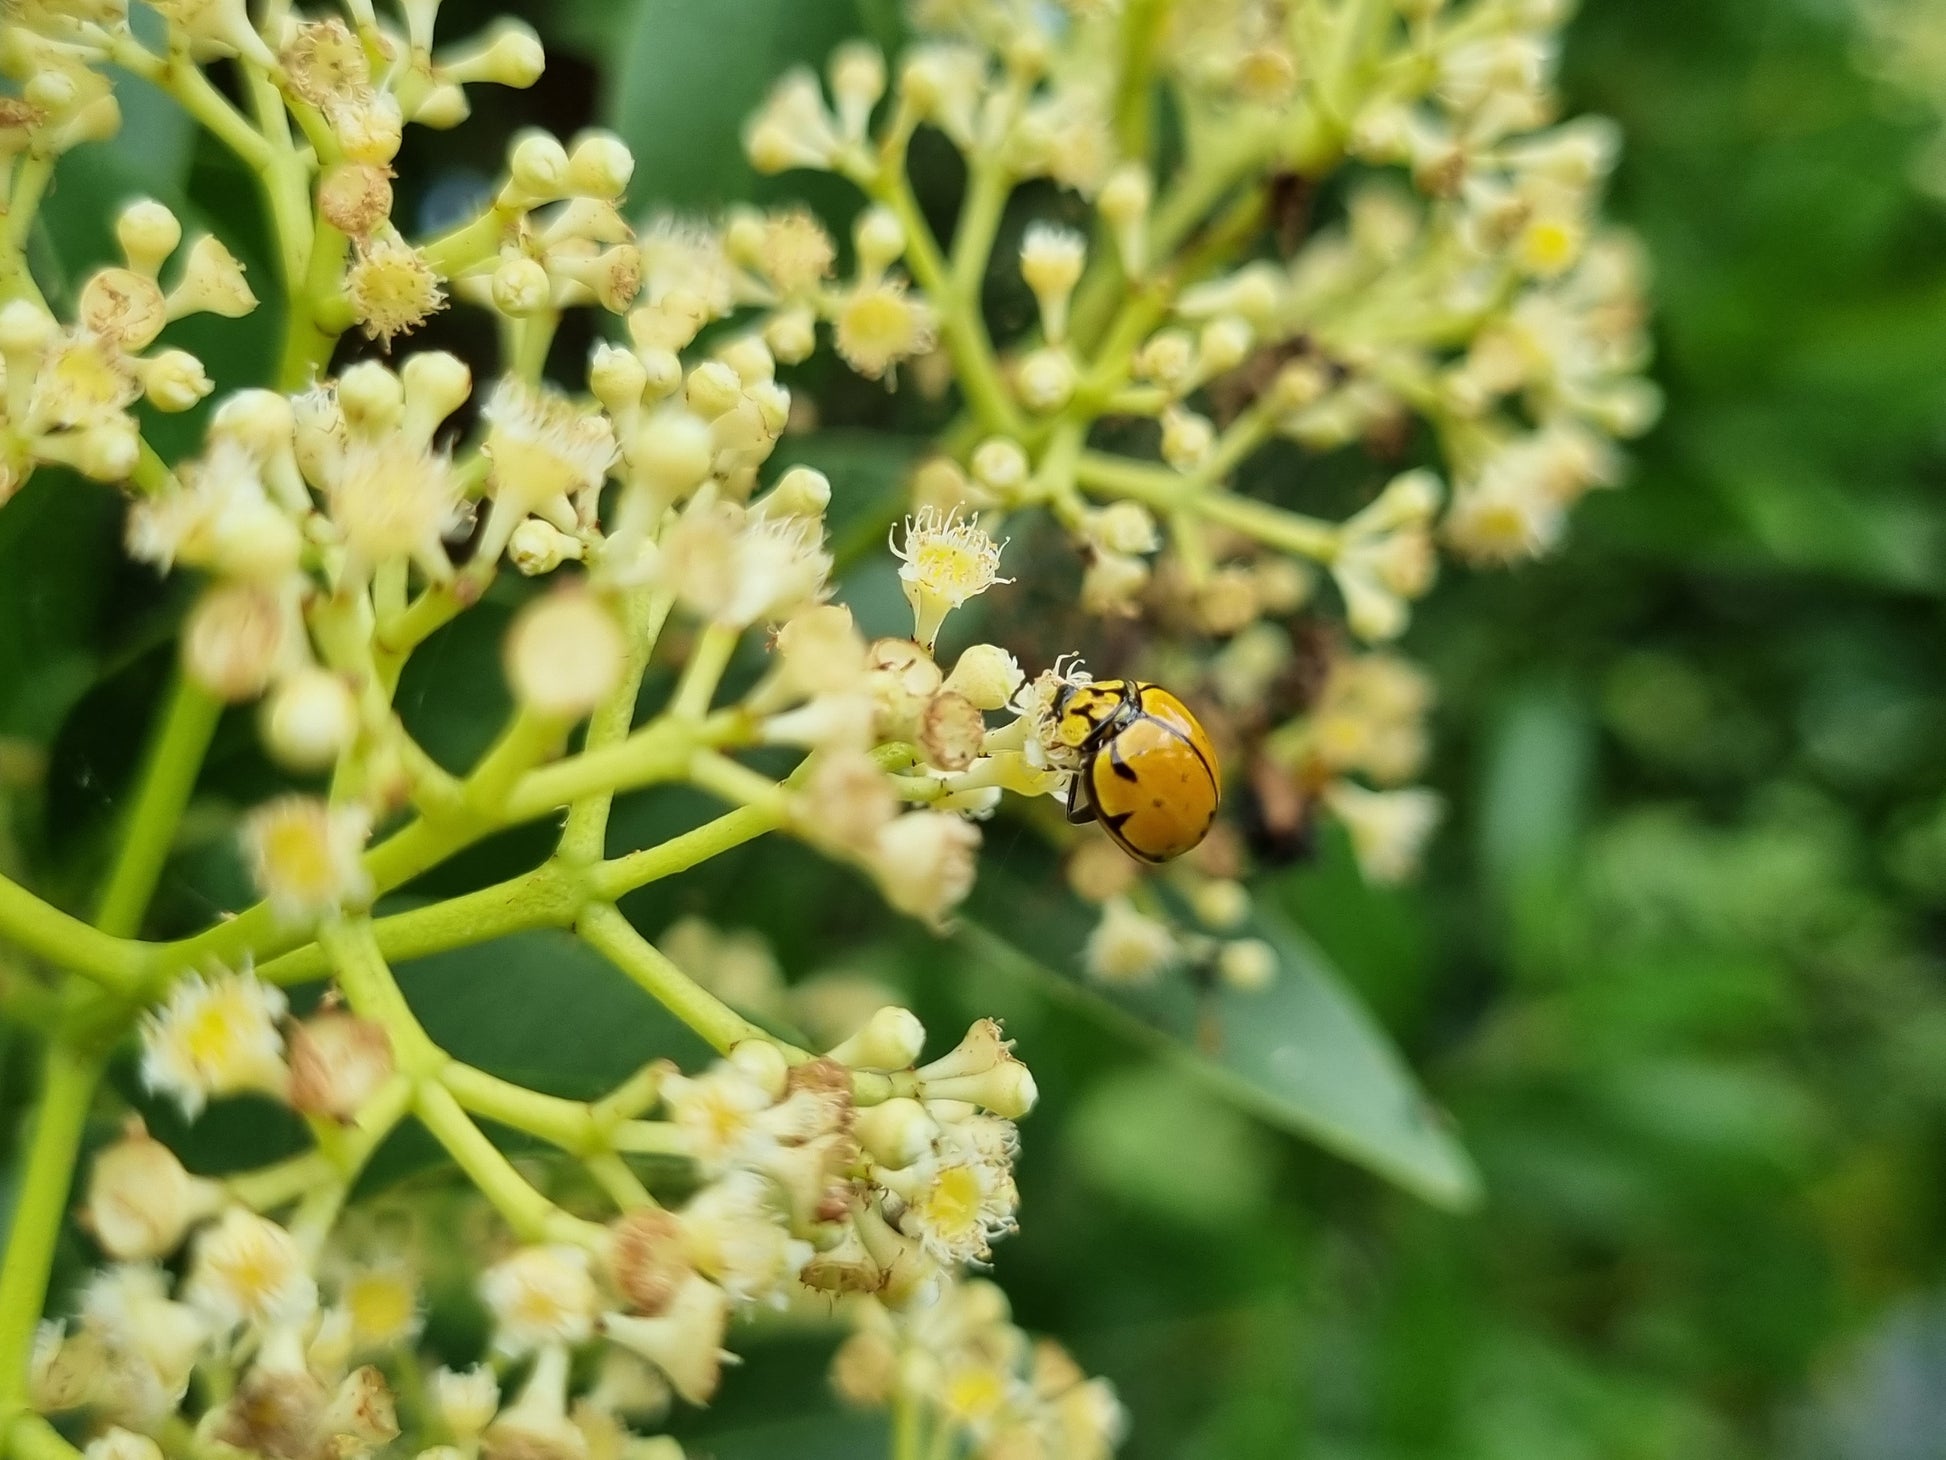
[(1678, 967)]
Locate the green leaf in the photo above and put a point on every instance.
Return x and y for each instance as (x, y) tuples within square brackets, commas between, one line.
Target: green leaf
[(1302, 1054), (544, 1009), (59, 543), (693, 71)]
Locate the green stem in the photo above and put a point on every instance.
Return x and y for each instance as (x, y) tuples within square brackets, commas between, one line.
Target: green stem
[(1171, 492), (532, 1216), (47, 933), (32, 1438), (569, 1124), (54, 1149), (678, 854), (162, 795), (707, 661), (604, 929), (584, 839)]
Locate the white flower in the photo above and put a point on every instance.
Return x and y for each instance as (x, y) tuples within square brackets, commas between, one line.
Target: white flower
[(153, 1342), (924, 863), (685, 1342), (1388, 828), (945, 561), (306, 856), (540, 1296), (465, 1399), (1128, 946), (879, 323), (793, 128), (957, 1206), (216, 1035), (548, 455), (247, 1269), (736, 1236), (394, 500)]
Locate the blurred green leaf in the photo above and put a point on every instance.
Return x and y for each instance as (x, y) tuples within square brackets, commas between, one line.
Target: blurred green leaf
[(1302, 1054), (59, 541), (693, 71)]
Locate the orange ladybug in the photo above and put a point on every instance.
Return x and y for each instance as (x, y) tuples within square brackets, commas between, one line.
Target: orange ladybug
[(1147, 771)]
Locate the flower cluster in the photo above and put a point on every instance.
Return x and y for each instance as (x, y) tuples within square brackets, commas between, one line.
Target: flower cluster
[(1465, 320)]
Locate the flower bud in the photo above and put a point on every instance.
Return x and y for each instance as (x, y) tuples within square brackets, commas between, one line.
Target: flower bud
[(890, 1040), (924, 863), (1051, 260), (1045, 380), (338, 1063), (148, 233), (116, 1443), (212, 283), (764, 1065), (895, 1133), (801, 492), (792, 334), (509, 54), (600, 166), (537, 547), (310, 720), (1224, 344), (564, 654), (857, 82), (521, 287), (1220, 903), (141, 1202), (686, 1342), (1187, 439), (236, 639), (712, 389), (879, 238), (537, 167), (373, 398), (1000, 465), (671, 453), (465, 1400), (1248, 964)]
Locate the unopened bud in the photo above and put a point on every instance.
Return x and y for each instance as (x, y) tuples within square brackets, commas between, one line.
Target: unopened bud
[(148, 234), (521, 287), (355, 197), (141, 1202), (600, 166), (890, 1040), (895, 1133), (564, 654), (338, 1063), (1000, 465), (537, 165), (950, 731), (235, 640), (310, 721)]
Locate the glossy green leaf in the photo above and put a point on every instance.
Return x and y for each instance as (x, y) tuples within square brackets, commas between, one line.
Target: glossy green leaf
[(1302, 1054), (694, 70)]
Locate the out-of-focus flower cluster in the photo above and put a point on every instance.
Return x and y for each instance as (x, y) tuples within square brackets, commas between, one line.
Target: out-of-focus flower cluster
[(1465, 319), (1199, 331)]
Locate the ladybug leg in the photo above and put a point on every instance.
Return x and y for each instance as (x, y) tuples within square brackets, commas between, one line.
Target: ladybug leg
[(1081, 805)]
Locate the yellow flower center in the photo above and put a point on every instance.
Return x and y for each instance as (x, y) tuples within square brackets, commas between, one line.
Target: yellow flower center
[(953, 1205), (381, 1306)]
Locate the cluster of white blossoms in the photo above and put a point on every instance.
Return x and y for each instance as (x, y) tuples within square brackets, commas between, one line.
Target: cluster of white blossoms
[(860, 1175), (1466, 318), (1466, 306)]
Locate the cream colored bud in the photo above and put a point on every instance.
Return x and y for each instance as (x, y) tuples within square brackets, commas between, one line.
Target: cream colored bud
[(792, 334), (465, 1400), (1045, 380), (509, 54), (857, 82), (310, 720), (1220, 903), (1124, 204), (237, 636), (435, 384), (617, 378), (1166, 358), (1224, 344), (950, 731), (371, 133), (262, 420), (925, 863), (537, 547), (1006, 1090), (1187, 439), (123, 306), (174, 380), (891, 1039), (355, 197), (1113, 583), (141, 1203), (116, 1443), (1000, 465), (802, 491), (600, 166), (1051, 261), (564, 654), (1248, 964), (537, 166), (879, 238), (664, 370), (763, 1064), (751, 359), (986, 675), (521, 287), (25, 329), (372, 398), (1099, 871), (712, 389), (338, 1063), (148, 233), (212, 283), (672, 453), (1299, 384), (896, 1133)]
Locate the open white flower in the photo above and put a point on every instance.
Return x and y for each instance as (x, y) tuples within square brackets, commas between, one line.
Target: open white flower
[(216, 1035), (945, 561), (247, 1269), (540, 1296)]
